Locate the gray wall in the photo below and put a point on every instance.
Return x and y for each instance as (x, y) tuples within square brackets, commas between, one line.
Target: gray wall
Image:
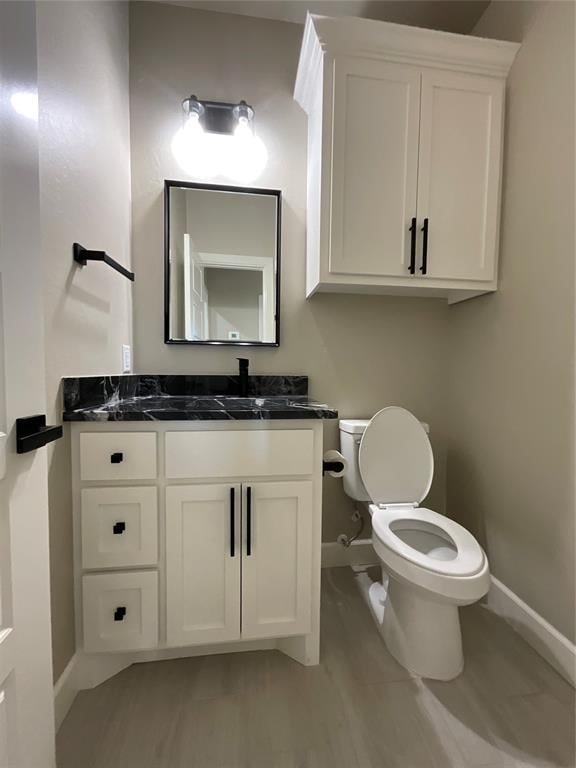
[(511, 449), (84, 197), (361, 352)]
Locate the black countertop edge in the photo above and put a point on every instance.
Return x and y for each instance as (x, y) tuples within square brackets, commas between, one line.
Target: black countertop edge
[(261, 414)]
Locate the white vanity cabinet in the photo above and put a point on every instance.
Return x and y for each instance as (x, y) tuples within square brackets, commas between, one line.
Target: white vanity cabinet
[(405, 134), (197, 536)]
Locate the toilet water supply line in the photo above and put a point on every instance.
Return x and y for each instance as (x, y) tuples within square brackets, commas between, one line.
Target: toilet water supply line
[(345, 540), (335, 464)]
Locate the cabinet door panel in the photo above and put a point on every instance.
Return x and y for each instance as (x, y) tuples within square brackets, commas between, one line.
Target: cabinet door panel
[(459, 173), (276, 576), (202, 575), (374, 166)]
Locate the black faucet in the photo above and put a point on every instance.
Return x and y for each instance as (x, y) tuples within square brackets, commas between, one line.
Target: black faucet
[(243, 376)]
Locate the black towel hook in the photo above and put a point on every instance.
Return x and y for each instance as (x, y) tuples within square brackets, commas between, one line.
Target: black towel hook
[(83, 255)]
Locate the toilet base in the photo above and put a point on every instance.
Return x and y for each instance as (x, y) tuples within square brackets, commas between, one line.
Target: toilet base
[(422, 634)]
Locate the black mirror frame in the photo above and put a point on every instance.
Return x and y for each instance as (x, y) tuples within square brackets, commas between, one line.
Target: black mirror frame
[(168, 183)]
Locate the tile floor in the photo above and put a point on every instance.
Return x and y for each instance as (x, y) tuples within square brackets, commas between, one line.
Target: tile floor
[(358, 709)]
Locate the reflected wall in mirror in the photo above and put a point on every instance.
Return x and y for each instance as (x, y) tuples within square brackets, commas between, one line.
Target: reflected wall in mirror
[(222, 264)]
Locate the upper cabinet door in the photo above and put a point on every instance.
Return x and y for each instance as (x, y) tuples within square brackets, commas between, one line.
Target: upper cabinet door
[(374, 166), (277, 559), (202, 563), (459, 173)]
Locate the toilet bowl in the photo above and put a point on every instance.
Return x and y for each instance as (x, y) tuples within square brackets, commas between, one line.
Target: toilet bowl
[(431, 565)]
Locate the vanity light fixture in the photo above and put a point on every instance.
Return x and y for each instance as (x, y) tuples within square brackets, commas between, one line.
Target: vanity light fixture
[(217, 139)]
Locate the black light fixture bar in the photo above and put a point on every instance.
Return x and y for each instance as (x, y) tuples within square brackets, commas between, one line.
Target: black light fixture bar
[(217, 116), (82, 256)]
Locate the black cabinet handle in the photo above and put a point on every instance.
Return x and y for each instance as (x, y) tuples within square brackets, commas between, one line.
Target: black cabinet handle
[(119, 527), (248, 521), (232, 523), (412, 230), (424, 266), (116, 458), (119, 613)]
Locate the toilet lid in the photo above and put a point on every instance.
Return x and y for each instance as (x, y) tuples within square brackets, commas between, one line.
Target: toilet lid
[(395, 458)]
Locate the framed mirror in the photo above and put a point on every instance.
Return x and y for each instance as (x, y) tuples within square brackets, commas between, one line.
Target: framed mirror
[(222, 265)]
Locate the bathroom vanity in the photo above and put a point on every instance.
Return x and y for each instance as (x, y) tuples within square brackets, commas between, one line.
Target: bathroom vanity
[(197, 516)]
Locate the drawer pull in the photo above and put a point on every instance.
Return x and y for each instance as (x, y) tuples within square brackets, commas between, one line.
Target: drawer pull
[(119, 613), (119, 527), (116, 458)]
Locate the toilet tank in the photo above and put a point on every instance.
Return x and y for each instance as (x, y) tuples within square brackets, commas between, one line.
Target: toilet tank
[(351, 431)]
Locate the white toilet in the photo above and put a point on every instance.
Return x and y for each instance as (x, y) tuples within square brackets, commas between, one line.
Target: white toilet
[(430, 564)]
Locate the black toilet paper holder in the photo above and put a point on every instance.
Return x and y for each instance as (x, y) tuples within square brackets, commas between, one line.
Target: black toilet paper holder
[(332, 466)]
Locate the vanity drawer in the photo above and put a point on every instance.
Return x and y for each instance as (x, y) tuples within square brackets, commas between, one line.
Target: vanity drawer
[(119, 527), (117, 455), (120, 611), (239, 453)]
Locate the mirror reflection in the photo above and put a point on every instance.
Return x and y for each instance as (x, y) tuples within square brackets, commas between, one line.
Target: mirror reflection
[(222, 254)]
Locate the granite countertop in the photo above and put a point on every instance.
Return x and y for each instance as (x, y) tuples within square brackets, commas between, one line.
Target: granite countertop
[(189, 398)]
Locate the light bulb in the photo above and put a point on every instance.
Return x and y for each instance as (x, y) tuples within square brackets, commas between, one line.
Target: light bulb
[(189, 147), (248, 156), (242, 130)]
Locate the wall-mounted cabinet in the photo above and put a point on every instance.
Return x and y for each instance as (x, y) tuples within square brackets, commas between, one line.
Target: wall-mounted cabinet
[(404, 158)]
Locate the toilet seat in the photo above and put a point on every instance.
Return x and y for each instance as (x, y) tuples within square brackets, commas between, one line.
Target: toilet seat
[(469, 559), (397, 465), (395, 458)]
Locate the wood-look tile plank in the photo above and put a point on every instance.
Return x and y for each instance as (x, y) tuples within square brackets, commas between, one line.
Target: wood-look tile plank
[(357, 709)]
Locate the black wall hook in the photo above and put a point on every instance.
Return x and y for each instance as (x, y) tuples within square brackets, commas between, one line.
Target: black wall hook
[(83, 255)]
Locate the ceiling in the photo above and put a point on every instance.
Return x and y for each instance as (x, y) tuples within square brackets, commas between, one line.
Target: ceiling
[(447, 15)]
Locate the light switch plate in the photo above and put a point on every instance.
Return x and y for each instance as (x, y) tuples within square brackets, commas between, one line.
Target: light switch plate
[(3, 443), (126, 358)]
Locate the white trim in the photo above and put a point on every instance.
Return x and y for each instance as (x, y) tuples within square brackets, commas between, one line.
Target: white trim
[(360, 552), (368, 38), (65, 690), (542, 636)]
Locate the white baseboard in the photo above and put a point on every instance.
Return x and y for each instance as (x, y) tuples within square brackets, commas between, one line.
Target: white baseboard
[(360, 552), (65, 690), (542, 636)]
